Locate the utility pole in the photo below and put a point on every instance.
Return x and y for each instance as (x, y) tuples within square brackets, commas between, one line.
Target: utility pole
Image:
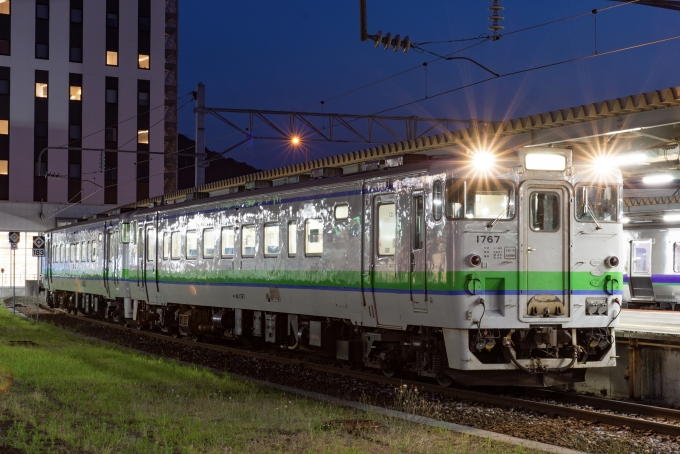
[(200, 134)]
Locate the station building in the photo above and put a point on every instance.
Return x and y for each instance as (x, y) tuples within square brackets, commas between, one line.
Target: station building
[(89, 75)]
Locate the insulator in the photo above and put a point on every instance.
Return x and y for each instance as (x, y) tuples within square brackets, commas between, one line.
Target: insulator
[(387, 40), (495, 8), (406, 43), (377, 38), (396, 42)]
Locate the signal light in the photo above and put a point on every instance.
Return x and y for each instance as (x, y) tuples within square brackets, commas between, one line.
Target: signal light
[(387, 41)]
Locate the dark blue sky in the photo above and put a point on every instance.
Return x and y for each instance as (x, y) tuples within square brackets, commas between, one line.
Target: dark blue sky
[(287, 55)]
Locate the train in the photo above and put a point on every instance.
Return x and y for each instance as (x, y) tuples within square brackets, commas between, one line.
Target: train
[(653, 266), (464, 270)]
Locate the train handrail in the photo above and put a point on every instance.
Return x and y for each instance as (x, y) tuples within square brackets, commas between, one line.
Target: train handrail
[(471, 278)]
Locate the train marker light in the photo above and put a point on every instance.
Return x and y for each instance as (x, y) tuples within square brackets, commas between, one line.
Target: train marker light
[(474, 260), (483, 160), (545, 161), (612, 261), (658, 178)]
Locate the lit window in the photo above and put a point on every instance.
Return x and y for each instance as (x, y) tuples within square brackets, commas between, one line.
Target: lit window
[(227, 242), (143, 61), (271, 240), (4, 127), (166, 246), (4, 6), (208, 243), (76, 55), (42, 11), (112, 20), (192, 245), (76, 16), (313, 237), (111, 58), (341, 212), (143, 136), (292, 238), (387, 229), (42, 51), (40, 90), (112, 96), (151, 244), (75, 93), (4, 167), (176, 250), (248, 241), (143, 98)]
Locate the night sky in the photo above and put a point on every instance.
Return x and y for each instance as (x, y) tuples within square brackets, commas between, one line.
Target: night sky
[(290, 55)]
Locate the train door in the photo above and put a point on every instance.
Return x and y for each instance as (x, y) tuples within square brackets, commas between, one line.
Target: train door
[(108, 259), (150, 259), (417, 263), (545, 257), (640, 271)]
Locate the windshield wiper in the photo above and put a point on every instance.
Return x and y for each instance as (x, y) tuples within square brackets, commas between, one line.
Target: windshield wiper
[(599, 227), (492, 223)]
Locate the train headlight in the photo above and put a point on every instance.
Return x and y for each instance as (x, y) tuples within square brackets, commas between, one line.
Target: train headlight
[(612, 261), (483, 160), (474, 260)]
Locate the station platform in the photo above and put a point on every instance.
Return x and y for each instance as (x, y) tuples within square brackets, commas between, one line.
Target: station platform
[(658, 326)]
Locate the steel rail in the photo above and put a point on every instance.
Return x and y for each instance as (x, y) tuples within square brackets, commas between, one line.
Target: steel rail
[(465, 394)]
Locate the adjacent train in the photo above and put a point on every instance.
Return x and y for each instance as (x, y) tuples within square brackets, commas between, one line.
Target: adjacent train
[(504, 276)]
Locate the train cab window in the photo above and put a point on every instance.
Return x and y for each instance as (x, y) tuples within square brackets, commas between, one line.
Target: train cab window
[(166, 246), (597, 201), (208, 243), (272, 240), (545, 212), (151, 244), (125, 233), (191, 245), (387, 229), (314, 237), (341, 212), (227, 242), (248, 237), (437, 200), (292, 239), (176, 243), (480, 199)]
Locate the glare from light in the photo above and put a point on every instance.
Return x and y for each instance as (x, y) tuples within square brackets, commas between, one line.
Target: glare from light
[(608, 162), (671, 217), (545, 161), (622, 131), (631, 159), (625, 220), (295, 140), (658, 178), (483, 160)]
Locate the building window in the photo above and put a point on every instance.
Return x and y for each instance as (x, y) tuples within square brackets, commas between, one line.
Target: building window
[(42, 51), (40, 129), (4, 6), (143, 61), (42, 11), (76, 16), (143, 136), (4, 87), (313, 236), (74, 132), (76, 55), (75, 93), (208, 243), (142, 99), (111, 58), (4, 167), (112, 20), (4, 45), (40, 90), (111, 134), (112, 96), (144, 24), (4, 127)]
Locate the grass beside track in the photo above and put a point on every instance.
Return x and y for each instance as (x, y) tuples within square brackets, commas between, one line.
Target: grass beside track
[(64, 394)]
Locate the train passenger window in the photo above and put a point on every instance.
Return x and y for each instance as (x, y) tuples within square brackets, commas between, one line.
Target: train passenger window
[(292, 239), (208, 243), (272, 240), (676, 257), (597, 200), (176, 245), (94, 251), (150, 244), (341, 212), (191, 245), (387, 229), (125, 233), (227, 242), (641, 258), (86, 252), (166, 246), (99, 237), (314, 236), (437, 200), (248, 237), (545, 212), (418, 223), (480, 199), (83, 251), (77, 254)]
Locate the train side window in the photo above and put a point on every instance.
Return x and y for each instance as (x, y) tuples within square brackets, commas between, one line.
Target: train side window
[(387, 229), (248, 237), (292, 239), (94, 251), (418, 223), (314, 236), (176, 242), (191, 245), (272, 240), (125, 233), (166, 246), (208, 243), (341, 212), (676, 257), (227, 242), (437, 200), (151, 244), (86, 252), (83, 251), (77, 254)]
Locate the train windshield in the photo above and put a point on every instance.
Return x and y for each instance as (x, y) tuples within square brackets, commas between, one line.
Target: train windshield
[(596, 201), (480, 199)]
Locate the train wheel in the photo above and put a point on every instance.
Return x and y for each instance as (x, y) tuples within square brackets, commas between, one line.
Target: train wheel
[(196, 338), (391, 371), (444, 380)]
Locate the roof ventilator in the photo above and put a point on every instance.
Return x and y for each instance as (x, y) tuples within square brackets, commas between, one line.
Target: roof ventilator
[(297, 179), (258, 184), (235, 189), (326, 172), (197, 195), (395, 161)]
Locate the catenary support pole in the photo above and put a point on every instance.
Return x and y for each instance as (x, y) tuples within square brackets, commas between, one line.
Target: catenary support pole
[(200, 135)]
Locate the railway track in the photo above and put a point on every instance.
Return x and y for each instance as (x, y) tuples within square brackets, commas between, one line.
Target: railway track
[(555, 403)]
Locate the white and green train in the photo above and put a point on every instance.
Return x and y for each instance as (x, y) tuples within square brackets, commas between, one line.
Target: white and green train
[(508, 276)]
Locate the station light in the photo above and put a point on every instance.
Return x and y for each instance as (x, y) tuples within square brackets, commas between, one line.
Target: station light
[(608, 162), (671, 217), (545, 161), (625, 220), (483, 160), (295, 140), (658, 178)]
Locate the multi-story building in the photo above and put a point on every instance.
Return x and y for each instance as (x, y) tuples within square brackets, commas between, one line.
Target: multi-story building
[(90, 75)]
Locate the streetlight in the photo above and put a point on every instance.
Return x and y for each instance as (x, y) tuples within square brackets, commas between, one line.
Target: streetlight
[(296, 141)]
